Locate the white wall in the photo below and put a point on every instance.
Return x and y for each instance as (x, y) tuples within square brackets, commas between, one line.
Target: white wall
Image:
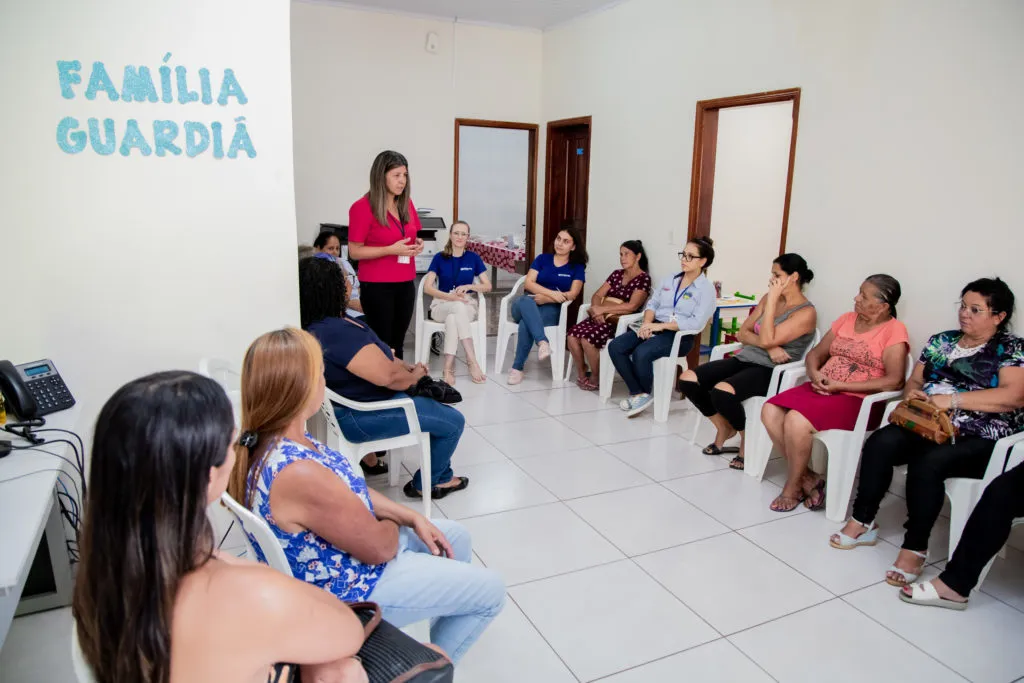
[(363, 82), (908, 156), (751, 165), (118, 266), (493, 171)]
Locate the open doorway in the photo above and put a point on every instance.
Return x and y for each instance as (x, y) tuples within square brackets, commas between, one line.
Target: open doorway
[(566, 183), (744, 149)]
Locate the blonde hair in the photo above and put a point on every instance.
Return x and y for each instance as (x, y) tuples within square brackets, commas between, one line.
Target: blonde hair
[(280, 372), (447, 251), (378, 194)]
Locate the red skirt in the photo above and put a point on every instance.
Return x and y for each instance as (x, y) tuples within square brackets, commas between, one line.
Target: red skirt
[(835, 411)]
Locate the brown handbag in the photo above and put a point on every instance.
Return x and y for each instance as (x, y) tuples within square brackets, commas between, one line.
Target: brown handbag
[(612, 319), (924, 419)]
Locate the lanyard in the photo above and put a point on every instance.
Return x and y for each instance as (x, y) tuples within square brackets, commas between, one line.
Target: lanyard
[(679, 295), (401, 227)]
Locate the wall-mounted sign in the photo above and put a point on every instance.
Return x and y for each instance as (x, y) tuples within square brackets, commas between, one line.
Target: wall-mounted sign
[(108, 135)]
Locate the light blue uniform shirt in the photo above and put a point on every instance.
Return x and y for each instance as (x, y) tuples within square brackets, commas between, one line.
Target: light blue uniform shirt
[(693, 306)]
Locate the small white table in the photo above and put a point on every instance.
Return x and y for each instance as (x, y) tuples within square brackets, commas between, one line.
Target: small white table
[(28, 506), (723, 303)]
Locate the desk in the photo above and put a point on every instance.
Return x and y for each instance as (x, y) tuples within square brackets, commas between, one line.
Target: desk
[(724, 303), (28, 505)]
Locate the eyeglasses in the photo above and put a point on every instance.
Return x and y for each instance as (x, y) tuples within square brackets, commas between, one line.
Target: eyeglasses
[(973, 310), (460, 234), (683, 256)]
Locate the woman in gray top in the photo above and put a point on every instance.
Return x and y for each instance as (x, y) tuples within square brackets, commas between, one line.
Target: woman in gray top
[(778, 330)]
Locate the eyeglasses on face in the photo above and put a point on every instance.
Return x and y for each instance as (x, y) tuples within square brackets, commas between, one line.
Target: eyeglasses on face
[(460, 234), (683, 256), (974, 311)]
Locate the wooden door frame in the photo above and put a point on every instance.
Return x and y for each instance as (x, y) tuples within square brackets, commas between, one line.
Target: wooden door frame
[(531, 170), (552, 125), (704, 155)]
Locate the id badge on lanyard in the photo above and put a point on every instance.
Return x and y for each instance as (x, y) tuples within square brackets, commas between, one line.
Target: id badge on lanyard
[(401, 228), (675, 299)]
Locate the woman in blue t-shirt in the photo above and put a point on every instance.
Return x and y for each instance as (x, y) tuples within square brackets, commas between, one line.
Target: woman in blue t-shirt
[(553, 279), (453, 271)]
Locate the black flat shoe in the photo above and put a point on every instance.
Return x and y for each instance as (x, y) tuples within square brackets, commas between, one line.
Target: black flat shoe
[(437, 492), (373, 470)]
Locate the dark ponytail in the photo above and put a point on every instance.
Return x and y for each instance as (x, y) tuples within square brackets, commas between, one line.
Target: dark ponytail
[(888, 289), (705, 245), (795, 263), (637, 247)]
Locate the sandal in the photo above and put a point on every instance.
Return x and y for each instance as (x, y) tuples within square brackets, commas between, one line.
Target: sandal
[(437, 492), (448, 376), (906, 577), (712, 449), (778, 506), (373, 470), (819, 489), (844, 542), (587, 385), (475, 374), (925, 594), (737, 463)]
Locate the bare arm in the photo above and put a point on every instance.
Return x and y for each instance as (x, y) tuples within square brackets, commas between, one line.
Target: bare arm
[(307, 495), (483, 286), (371, 364), (797, 325), (1006, 396), (746, 335), (595, 300), (360, 251), (542, 294), (817, 356), (429, 280)]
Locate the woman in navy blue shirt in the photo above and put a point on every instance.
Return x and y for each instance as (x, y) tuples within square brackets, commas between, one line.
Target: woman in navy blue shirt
[(553, 279), (453, 271)]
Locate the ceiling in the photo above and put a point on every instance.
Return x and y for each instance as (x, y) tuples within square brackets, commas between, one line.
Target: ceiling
[(538, 14)]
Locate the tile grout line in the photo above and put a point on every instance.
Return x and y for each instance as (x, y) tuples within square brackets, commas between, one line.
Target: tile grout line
[(542, 637)]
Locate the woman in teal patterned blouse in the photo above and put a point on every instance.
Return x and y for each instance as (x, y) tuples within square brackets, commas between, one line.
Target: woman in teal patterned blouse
[(976, 373)]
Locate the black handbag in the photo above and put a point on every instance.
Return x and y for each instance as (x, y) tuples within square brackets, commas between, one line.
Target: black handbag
[(442, 392), (387, 655)]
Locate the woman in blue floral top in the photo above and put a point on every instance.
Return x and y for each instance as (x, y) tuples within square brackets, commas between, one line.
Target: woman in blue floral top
[(336, 532), (977, 374)]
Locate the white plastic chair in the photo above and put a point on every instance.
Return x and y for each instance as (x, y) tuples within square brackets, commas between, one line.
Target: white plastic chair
[(229, 510), (842, 446), (508, 329), (665, 374), (757, 447), (223, 372), (425, 328), (324, 428), (607, 370), (83, 672)]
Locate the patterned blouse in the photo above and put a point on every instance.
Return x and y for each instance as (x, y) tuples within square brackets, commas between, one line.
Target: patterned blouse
[(948, 369), (312, 558)]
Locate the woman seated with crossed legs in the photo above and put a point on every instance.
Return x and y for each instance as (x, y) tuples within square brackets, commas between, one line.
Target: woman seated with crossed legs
[(449, 281), (336, 532), (778, 330), (863, 353)]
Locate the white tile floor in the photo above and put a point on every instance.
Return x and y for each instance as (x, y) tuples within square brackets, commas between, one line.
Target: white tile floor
[(632, 558)]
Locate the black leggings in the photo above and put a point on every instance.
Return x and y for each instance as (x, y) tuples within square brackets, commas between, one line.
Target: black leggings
[(388, 307), (928, 467), (747, 379), (986, 531)]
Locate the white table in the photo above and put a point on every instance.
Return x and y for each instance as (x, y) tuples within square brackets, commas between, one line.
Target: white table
[(28, 506)]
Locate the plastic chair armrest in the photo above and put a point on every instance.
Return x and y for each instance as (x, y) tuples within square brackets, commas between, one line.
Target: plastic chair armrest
[(777, 373), (406, 404), (506, 300), (582, 314), (719, 350), (868, 404), (1006, 455), (625, 321)]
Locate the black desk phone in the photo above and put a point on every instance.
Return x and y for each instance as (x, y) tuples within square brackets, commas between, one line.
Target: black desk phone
[(34, 389)]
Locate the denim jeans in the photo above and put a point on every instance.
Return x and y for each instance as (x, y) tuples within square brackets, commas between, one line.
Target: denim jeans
[(459, 599), (444, 423), (532, 320), (634, 358)]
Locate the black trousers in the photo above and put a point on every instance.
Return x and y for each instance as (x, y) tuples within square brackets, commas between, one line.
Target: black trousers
[(748, 379), (388, 309), (987, 530), (928, 467)]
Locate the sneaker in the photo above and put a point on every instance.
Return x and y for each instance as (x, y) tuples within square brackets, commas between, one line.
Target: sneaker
[(543, 350), (639, 404), (515, 376), (625, 404)]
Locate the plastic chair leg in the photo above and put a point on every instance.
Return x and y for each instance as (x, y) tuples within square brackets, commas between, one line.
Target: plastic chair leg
[(842, 471), (663, 370), (607, 374)]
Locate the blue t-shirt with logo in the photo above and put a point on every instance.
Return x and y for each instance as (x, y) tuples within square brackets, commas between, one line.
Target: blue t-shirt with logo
[(559, 278), (455, 271)]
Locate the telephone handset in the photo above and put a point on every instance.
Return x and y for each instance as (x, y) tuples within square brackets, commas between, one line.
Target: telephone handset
[(34, 389)]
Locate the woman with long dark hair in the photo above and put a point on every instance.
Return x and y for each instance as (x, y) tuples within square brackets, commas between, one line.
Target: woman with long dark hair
[(154, 601), (625, 291), (552, 280), (383, 237)]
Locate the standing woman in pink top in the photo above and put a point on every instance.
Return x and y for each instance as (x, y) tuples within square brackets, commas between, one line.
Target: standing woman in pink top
[(383, 237), (863, 353)]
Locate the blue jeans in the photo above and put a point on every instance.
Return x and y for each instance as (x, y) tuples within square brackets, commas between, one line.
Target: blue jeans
[(634, 358), (444, 423), (459, 599), (532, 320)]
